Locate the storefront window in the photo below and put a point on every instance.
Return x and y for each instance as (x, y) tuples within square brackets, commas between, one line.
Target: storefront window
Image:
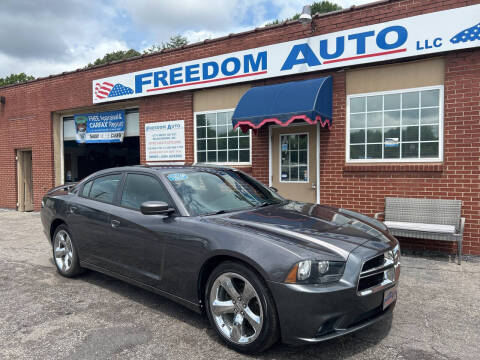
[(294, 158), (395, 126), (217, 142)]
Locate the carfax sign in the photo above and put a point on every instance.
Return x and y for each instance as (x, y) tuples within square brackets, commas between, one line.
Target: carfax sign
[(419, 35), (105, 127)]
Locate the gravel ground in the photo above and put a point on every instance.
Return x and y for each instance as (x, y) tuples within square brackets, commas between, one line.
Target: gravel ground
[(46, 316)]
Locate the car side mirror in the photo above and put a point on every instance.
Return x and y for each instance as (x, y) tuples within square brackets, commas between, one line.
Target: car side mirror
[(156, 208), (273, 189)]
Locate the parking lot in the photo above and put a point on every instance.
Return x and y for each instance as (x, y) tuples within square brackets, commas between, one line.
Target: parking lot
[(46, 316)]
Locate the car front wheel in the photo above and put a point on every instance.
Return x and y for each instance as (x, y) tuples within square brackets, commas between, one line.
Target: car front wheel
[(64, 253), (241, 308)]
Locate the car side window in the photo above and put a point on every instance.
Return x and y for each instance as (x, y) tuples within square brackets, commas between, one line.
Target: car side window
[(104, 188), (86, 188), (140, 188)]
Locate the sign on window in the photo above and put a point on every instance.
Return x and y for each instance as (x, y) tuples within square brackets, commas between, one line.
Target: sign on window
[(165, 141)]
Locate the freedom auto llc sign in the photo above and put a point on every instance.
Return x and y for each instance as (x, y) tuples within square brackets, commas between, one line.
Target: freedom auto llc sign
[(104, 127), (441, 31)]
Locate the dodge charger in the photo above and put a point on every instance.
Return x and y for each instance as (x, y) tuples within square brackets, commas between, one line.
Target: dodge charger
[(262, 268)]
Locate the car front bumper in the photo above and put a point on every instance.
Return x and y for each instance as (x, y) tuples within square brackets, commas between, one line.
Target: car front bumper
[(315, 313)]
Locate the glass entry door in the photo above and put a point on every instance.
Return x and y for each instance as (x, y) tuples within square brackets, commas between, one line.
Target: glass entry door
[(294, 162)]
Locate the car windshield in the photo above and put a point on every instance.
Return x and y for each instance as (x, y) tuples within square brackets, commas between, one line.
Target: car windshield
[(217, 191)]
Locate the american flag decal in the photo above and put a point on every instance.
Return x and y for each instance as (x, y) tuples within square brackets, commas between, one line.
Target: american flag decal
[(470, 34), (106, 89)]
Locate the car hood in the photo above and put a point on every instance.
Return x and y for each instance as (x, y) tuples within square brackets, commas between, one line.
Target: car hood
[(316, 227)]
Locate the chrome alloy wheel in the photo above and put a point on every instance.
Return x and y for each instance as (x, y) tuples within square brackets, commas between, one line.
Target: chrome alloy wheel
[(63, 251), (236, 308)]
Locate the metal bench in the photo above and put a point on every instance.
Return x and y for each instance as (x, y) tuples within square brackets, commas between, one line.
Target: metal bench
[(434, 219)]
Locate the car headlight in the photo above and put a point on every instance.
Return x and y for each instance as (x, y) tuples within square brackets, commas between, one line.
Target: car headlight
[(315, 272)]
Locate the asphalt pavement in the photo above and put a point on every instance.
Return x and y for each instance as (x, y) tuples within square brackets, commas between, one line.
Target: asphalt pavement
[(46, 316)]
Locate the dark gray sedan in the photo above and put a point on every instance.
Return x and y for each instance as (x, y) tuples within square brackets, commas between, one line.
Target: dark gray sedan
[(216, 240)]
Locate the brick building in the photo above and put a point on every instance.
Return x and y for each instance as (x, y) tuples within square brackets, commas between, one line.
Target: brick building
[(404, 102)]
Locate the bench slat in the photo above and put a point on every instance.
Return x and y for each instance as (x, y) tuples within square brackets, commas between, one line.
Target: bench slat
[(434, 228)]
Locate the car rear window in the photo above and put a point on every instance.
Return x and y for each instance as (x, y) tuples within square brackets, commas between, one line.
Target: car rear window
[(104, 188), (86, 188)]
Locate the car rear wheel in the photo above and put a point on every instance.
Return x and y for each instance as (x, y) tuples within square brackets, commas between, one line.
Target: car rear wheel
[(241, 308), (64, 253)]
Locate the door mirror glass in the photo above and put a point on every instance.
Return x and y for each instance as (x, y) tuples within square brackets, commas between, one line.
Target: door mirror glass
[(155, 208)]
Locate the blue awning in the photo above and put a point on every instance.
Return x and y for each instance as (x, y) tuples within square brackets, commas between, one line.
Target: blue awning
[(308, 100)]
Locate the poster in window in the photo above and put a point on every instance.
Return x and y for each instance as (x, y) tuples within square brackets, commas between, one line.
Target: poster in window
[(391, 142), (104, 127), (165, 141)]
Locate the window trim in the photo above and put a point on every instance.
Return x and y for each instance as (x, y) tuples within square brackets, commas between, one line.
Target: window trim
[(195, 160), (406, 160), (280, 158)]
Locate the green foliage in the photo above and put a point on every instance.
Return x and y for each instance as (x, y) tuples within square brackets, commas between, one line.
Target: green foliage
[(323, 7), (115, 56), (15, 79), (176, 41), (274, 22), (320, 7)]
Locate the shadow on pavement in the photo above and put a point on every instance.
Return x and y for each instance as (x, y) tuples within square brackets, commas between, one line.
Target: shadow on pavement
[(155, 302), (339, 348)]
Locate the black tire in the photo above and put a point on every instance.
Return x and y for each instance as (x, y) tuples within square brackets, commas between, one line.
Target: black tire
[(269, 332), (74, 268)]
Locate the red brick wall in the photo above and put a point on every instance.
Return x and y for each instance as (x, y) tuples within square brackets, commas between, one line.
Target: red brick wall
[(176, 106), (26, 120)]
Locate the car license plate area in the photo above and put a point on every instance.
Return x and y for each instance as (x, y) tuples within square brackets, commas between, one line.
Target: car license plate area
[(389, 296)]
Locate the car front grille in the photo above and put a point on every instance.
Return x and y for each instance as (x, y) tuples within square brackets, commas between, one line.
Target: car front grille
[(376, 272), (373, 263)]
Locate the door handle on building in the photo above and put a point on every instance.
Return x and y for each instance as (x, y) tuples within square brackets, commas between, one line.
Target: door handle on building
[(314, 185), (115, 223)]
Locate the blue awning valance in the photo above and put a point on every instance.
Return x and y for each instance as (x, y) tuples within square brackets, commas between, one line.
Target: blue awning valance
[(308, 100)]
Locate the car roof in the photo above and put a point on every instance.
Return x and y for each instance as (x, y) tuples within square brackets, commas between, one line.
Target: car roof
[(162, 168)]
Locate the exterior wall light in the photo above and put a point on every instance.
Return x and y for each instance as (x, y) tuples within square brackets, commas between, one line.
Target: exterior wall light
[(306, 17)]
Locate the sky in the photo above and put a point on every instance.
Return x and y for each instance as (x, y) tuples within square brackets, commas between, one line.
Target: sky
[(45, 37)]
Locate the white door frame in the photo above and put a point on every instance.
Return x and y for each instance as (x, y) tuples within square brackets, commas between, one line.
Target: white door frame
[(270, 143)]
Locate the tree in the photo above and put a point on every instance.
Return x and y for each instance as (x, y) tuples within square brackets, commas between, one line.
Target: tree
[(320, 7), (15, 79), (176, 41), (115, 56)]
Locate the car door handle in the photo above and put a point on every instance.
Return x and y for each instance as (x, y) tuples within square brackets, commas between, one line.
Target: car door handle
[(115, 223), (73, 209)]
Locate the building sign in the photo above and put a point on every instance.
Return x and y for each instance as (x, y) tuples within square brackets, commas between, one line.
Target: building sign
[(105, 127), (165, 141), (442, 31)]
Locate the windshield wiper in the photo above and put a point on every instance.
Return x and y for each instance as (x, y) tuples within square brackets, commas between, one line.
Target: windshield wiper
[(218, 212), (225, 211), (267, 203)]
